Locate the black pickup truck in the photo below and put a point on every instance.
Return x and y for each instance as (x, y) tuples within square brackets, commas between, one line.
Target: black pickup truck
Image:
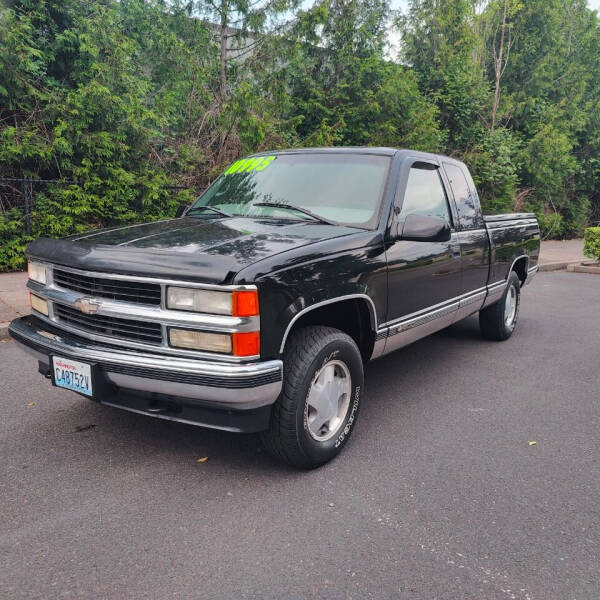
[(257, 309)]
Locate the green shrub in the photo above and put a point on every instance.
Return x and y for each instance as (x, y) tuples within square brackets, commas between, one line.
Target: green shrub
[(59, 212), (551, 225), (13, 240), (591, 246)]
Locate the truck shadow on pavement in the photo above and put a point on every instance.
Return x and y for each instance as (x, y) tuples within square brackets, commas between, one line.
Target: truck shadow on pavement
[(418, 374), (123, 437), (424, 353), (128, 437)]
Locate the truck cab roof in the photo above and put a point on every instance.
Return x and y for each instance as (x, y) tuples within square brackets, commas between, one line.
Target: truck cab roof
[(378, 150)]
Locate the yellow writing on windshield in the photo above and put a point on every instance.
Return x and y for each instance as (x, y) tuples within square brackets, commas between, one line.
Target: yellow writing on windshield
[(247, 165)]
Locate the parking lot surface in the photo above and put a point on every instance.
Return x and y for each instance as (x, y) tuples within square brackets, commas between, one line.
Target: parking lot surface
[(439, 494)]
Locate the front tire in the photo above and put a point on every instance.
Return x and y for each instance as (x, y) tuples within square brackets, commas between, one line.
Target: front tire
[(498, 321), (320, 399)]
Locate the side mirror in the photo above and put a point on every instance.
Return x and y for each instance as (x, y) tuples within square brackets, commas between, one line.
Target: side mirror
[(181, 209), (421, 228)]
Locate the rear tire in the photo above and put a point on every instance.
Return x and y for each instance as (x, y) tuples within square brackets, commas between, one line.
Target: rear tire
[(319, 402), (498, 321)]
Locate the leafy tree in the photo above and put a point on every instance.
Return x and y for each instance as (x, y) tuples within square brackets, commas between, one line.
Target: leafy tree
[(516, 86), (344, 91), (126, 96), (546, 81)]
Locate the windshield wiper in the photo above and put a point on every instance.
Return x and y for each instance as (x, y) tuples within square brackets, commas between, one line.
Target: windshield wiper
[(206, 207), (298, 209)]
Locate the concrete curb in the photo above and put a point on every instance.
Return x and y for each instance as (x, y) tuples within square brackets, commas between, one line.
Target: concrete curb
[(579, 268), (4, 330), (555, 266)]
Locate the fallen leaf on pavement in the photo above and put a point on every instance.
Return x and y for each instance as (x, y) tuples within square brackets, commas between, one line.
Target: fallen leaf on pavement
[(203, 459), (532, 443), (31, 404)]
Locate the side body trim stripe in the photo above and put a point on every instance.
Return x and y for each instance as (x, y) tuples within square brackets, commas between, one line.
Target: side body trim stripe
[(440, 310)]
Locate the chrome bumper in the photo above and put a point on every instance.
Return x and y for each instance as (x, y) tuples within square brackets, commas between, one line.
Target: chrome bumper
[(221, 385)]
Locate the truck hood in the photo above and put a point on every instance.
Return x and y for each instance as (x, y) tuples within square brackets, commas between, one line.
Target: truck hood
[(210, 250)]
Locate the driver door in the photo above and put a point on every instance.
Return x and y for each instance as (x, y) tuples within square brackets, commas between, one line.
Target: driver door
[(424, 277)]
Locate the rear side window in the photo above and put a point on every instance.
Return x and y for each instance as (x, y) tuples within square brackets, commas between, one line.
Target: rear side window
[(425, 193), (469, 215)]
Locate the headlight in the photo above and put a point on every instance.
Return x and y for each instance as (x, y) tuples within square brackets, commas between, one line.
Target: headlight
[(36, 272), (200, 340), (243, 303), (202, 301)]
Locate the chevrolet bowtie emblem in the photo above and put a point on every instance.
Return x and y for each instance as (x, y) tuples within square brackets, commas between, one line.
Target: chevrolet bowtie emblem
[(89, 306)]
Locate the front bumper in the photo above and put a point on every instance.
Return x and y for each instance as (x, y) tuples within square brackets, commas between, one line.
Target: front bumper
[(174, 388)]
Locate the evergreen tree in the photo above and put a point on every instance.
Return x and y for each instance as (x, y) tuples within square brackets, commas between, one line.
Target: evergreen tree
[(125, 96)]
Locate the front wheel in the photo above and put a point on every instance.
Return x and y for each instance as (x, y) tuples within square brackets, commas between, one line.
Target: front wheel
[(498, 321), (318, 406)]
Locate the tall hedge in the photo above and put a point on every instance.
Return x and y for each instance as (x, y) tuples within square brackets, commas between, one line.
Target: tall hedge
[(123, 97), (591, 245)]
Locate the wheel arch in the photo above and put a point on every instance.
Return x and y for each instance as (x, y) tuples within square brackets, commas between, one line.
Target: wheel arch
[(333, 312), (520, 266)]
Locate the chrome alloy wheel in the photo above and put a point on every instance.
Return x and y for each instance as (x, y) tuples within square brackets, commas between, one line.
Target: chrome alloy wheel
[(510, 306), (328, 400)]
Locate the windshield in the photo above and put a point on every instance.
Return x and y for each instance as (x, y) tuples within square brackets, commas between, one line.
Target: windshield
[(343, 188)]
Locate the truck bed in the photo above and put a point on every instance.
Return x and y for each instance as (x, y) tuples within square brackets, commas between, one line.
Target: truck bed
[(512, 236)]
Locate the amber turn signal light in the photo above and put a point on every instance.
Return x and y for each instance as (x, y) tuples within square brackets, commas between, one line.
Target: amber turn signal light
[(246, 344), (244, 303)]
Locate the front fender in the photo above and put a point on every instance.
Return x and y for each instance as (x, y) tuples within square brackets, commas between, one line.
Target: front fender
[(286, 295)]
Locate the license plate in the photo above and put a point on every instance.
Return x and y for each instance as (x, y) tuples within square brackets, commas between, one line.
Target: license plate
[(72, 375)]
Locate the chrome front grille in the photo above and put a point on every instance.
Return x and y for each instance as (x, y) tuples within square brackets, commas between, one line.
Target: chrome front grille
[(129, 329), (137, 292), (129, 311)]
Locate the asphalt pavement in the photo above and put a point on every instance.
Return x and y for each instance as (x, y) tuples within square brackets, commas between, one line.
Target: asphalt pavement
[(439, 494)]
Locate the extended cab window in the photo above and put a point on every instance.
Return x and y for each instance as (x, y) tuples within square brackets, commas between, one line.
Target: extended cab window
[(468, 214), (425, 194), (344, 188)]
